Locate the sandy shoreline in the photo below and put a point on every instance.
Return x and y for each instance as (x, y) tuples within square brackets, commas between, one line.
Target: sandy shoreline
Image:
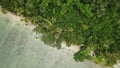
[(72, 48)]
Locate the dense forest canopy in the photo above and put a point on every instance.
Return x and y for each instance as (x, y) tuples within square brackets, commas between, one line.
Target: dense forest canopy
[(94, 23)]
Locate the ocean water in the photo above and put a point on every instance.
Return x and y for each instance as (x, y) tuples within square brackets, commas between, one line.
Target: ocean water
[(20, 49)]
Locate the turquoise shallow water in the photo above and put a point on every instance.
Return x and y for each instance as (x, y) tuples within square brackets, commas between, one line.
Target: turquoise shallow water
[(20, 49)]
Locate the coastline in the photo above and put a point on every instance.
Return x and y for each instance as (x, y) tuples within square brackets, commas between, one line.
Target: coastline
[(72, 48), (68, 28)]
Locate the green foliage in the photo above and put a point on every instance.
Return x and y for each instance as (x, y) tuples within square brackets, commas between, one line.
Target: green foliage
[(83, 54), (94, 23)]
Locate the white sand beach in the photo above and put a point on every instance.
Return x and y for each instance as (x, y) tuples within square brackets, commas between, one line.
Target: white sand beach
[(72, 48)]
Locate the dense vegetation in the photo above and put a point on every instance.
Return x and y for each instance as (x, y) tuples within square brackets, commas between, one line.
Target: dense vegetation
[(94, 23)]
